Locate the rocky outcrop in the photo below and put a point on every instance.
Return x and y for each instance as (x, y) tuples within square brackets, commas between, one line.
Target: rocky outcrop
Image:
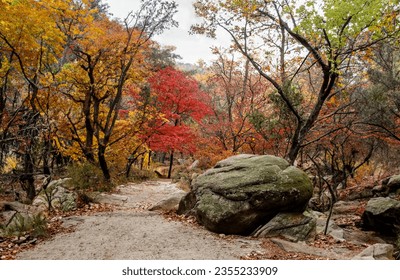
[(382, 215), (243, 192)]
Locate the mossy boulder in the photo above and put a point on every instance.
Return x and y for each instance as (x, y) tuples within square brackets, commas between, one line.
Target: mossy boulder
[(394, 183), (382, 214), (243, 192)]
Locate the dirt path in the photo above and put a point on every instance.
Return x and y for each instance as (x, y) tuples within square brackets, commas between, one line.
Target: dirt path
[(132, 232)]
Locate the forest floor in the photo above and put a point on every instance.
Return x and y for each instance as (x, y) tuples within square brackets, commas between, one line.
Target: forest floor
[(130, 231), (122, 227)]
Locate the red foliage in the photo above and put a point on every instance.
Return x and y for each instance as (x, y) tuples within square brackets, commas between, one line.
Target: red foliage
[(169, 137), (181, 101)]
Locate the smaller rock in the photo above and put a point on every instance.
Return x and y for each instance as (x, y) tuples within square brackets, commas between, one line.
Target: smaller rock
[(382, 214), (376, 252), (17, 206), (346, 207), (20, 240), (6, 217), (162, 171), (169, 204), (33, 241), (194, 176), (337, 234), (194, 165), (359, 237), (105, 198), (394, 183), (59, 197), (363, 194), (18, 222), (380, 190), (333, 230), (292, 226), (302, 247), (60, 183)]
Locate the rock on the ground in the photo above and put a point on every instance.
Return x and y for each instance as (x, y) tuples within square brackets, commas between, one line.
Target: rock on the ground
[(333, 230), (106, 198), (394, 183), (292, 226), (302, 247), (168, 204), (382, 214), (346, 207), (16, 206), (194, 165), (58, 195), (359, 237), (11, 211), (245, 191), (6, 217), (376, 252)]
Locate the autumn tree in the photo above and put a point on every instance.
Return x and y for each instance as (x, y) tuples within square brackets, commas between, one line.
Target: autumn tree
[(283, 39), (236, 93), (140, 109), (29, 47), (181, 103), (108, 56)]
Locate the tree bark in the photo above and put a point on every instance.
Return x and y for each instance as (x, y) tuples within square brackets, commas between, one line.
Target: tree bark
[(171, 162), (103, 163)]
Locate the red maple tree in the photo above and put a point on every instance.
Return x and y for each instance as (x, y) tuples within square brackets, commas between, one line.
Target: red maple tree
[(183, 106)]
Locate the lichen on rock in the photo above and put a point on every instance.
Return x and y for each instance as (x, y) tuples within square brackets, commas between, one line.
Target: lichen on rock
[(245, 191)]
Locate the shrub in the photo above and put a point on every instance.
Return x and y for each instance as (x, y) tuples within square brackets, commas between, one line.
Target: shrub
[(138, 175), (87, 177)]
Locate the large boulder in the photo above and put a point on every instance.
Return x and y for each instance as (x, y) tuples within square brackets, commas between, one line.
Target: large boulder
[(244, 192), (382, 214)]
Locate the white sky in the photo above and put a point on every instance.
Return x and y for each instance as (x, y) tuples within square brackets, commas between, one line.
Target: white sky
[(191, 48)]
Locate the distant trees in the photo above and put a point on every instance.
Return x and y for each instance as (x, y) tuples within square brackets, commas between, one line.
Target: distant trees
[(380, 101), (302, 50)]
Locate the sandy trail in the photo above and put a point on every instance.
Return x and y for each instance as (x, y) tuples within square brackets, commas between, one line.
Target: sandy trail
[(135, 233)]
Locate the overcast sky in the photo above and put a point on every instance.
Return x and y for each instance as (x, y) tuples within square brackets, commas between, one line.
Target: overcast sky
[(191, 48)]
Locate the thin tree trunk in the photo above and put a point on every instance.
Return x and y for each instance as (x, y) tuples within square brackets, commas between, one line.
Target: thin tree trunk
[(171, 162)]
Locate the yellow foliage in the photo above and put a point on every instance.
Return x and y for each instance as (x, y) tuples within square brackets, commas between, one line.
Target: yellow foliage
[(10, 163)]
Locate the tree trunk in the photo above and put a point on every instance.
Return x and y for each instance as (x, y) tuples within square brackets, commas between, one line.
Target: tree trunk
[(88, 148), (46, 157), (103, 163), (171, 162), (27, 179), (128, 168)]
